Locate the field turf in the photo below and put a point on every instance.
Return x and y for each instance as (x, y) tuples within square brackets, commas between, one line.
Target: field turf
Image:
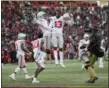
[(70, 76)]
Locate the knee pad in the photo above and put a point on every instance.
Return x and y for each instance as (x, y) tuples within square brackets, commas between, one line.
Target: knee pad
[(48, 51)]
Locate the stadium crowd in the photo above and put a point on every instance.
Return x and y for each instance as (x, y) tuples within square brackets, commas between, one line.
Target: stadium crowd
[(17, 16)]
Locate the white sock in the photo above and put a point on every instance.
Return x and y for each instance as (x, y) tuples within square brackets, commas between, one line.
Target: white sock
[(56, 56), (100, 61), (82, 66), (24, 70), (17, 70), (61, 57)]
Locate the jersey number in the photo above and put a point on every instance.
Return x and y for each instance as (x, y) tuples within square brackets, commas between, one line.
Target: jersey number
[(58, 24), (36, 44)]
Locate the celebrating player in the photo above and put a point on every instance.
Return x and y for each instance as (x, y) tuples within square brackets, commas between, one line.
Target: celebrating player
[(57, 23), (46, 30), (39, 56), (21, 49)]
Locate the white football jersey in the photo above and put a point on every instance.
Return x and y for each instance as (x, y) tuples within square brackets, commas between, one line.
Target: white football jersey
[(37, 44), (57, 24), (18, 44), (103, 43), (82, 42), (45, 28)]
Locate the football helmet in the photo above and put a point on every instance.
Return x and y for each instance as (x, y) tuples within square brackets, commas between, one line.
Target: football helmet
[(41, 15), (66, 16), (86, 36), (21, 36)]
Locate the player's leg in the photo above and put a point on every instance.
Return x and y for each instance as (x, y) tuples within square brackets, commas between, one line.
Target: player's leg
[(40, 67), (89, 66), (81, 56), (23, 66), (107, 55), (100, 62), (40, 64), (47, 40), (54, 42), (16, 69), (61, 55)]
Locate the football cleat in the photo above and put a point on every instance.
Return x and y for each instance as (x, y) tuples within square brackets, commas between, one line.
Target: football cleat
[(27, 77), (82, 67), (35, 81), (89, 81), (56, 63), (92, 81), (101, 66), (62, 65), (12, 76)]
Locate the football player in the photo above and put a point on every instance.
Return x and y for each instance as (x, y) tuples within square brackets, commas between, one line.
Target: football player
[(21, 50), (57, 23), (82, 46), (44, 26), (39, 56)]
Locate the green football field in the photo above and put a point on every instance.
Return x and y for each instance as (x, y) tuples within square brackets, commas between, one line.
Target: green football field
[(70, 76)]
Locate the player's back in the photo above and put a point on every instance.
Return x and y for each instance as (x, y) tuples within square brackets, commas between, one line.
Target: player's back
[(57, 24), (45, 23), (18, 45)]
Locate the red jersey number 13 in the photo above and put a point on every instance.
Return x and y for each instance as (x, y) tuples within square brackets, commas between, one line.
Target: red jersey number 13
[(58, 24)]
